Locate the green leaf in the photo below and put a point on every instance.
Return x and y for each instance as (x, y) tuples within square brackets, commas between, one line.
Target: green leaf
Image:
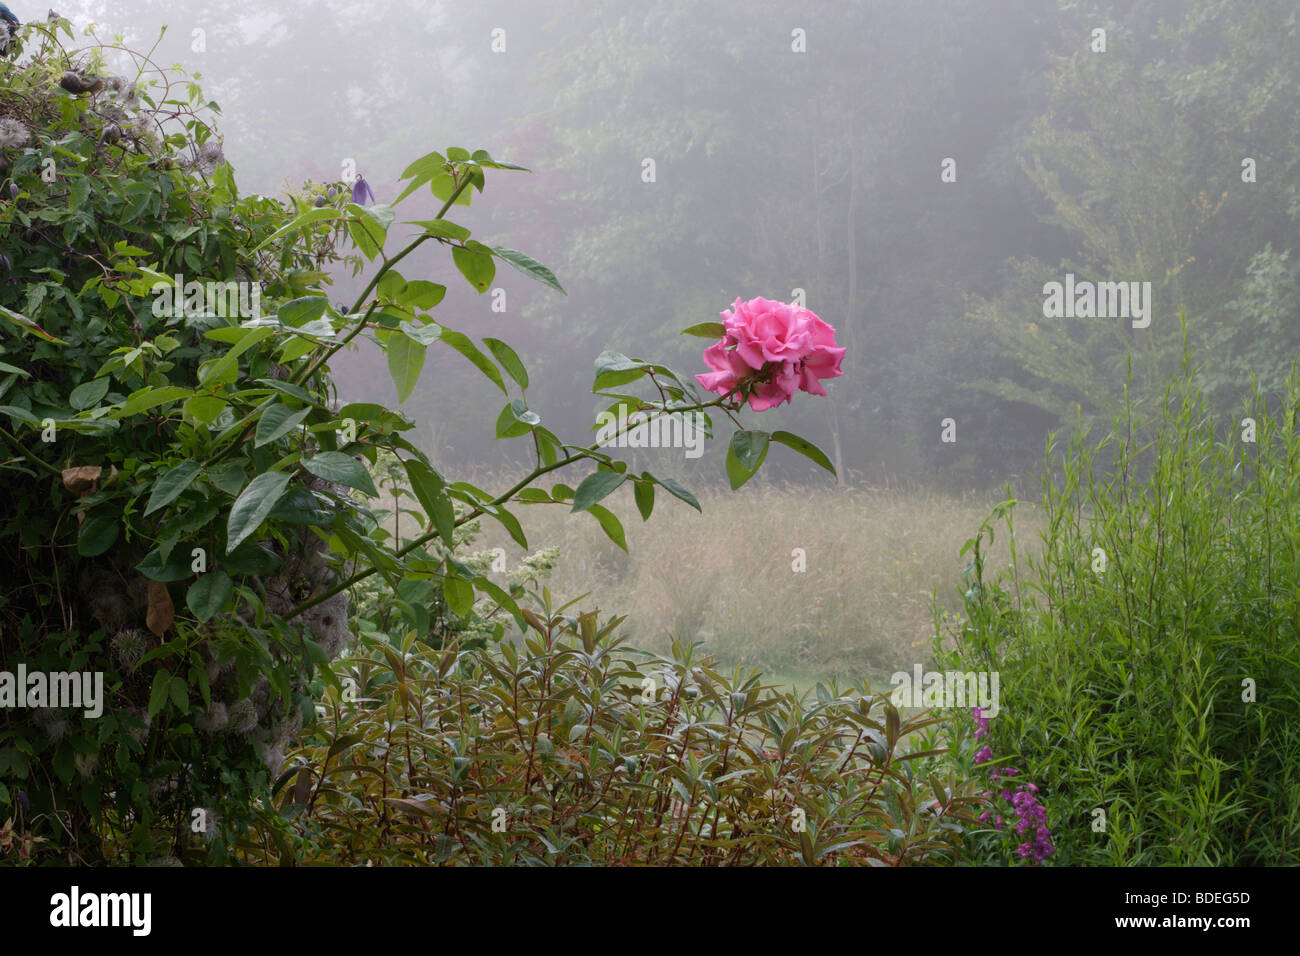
[(706, 330), (477, 267), (426, 483), (253, 505), (644, 492), (175, 568), (420, 294), (444, 520), (162, 681), (420, 172), (750, 448), (613, 527), (87, 394), (804, 447), (614, 369), (462, 344), (459, 595), (209, 594), (515, 420), (251, 558), (595, 487), (342, 470), (677, 491), (170, 486), (529, 267), (205, 409), (149, 397), (276, 422), (180, 695), (299, 312), (483, 159), (97, 534), (306, 219), (300, 506), (441, 229), (367, 236), (744, 455), (19, 414), (28, 325), (511, 524), (405, 363), (509, 360), (443, 185)]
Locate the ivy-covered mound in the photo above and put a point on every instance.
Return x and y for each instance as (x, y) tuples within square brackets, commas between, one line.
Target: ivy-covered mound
[(183, 514), (129, 429)]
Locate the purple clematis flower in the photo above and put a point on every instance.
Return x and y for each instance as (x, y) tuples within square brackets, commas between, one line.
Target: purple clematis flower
[(362, 194)]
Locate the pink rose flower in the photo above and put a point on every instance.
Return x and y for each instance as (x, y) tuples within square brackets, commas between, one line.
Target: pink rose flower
[(728, 367), (767, 331), (823, 359), (769, 351)]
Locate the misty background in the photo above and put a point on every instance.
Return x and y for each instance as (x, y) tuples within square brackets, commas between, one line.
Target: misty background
[(801, 146)]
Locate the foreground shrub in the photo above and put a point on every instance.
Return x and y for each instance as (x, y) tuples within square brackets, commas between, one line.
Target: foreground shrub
[(573, 748), (1148, 660)]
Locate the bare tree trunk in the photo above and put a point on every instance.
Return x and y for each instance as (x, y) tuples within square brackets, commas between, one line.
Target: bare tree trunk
[(851, 248)]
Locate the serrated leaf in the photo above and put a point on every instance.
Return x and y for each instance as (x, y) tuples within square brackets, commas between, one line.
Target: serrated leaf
[(707, 330)]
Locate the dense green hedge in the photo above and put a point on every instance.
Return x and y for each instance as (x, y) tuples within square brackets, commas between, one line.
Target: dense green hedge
[(1149, 655)]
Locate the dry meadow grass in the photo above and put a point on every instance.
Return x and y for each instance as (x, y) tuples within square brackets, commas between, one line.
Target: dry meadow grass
[(863, 607)]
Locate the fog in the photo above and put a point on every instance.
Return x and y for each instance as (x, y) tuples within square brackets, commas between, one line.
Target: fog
[(917, 173)]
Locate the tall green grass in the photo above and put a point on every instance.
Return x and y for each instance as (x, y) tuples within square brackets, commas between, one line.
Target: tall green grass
[(1127, 691)]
